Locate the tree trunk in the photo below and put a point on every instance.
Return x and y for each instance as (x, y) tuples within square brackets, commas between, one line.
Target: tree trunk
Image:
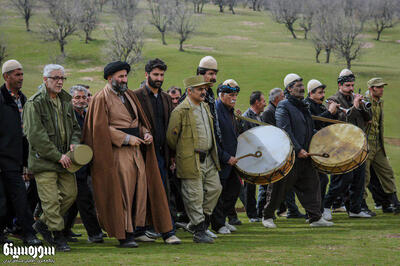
[(62, 48), (328, 55), (27, 24), (254, 5), (221, 8), (202, 5), (181, 46), (231, 8), (379, 35), (87, 37), (163, 38), (305, 34), (290, 28), (348, 60), (317, 52)]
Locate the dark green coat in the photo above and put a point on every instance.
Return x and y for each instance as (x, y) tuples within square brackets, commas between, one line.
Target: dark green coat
[(42, 132), (381, 126)]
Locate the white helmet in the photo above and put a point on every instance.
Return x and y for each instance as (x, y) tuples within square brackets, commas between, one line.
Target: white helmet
[(314, 84), (208, 62), (290, 78)]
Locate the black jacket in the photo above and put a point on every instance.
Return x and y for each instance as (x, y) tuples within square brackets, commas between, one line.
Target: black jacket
[(319, 110), (13, 146), (229, 132), (293, 116), (245, 125), (268, 116)]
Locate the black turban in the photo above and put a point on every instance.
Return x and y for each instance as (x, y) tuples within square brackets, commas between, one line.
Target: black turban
[(115, 66)]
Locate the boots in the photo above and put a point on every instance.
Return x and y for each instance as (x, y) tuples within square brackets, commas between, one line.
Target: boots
[(200, 235), (61, 241), (396, 203)]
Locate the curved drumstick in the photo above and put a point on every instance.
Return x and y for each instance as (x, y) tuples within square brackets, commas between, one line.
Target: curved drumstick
[(325, 155), (257, 155)]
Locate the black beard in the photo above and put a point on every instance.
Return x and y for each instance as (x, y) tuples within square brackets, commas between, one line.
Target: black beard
[(322, 99), (154, 84), (119, 87), (213, 80)]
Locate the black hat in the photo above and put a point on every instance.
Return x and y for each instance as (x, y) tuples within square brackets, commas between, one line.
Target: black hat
[(115, 66)]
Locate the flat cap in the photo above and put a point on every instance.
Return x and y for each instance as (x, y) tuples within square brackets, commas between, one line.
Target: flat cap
[(291, 78), (10, 65), (115, 66), (376, 82), (195, 81), (314, 84)]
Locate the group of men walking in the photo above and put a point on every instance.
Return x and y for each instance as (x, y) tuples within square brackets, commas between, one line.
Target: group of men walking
[(165, 160)]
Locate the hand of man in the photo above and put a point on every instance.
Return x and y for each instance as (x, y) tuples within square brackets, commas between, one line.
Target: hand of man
[(173, 165), (357, 100), (302, 154), (148, 138), (135, 141), (71, 147), (232, 161), (332, 108), (238, 112), (65, 161)]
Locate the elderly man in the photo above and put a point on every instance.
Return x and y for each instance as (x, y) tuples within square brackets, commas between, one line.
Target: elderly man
[(352, 182), (128, 189), (257, 105), (13, 153), (293, 116), (191, 134), (377, 154), (84, 200), (176, 94), (52, 130), (227, 92)]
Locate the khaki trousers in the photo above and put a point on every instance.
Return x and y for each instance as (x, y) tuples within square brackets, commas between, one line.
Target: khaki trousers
[(57, 192), (200, 195), (380, 163)]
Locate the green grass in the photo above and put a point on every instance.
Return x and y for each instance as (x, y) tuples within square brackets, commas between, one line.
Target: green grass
[(257, 53)]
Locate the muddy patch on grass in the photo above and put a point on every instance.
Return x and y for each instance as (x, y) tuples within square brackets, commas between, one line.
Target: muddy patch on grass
[(393, 236), (368, 45), (252, 24), (236, 38), (204, 48), (87, 79), (398, 41), (91, 69)]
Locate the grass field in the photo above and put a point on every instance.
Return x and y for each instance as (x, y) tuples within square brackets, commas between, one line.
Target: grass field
[(257, 53)]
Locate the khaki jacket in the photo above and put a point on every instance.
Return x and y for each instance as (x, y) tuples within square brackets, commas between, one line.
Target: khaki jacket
[(42, 131), (182, 137), (381, 125)]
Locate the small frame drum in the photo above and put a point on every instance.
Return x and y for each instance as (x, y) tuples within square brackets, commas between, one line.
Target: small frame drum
[(346, 145), (277, 155)]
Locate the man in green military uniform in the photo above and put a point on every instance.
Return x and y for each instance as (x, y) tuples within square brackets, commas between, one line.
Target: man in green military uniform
[(377, 154), (191, 134), (52, 130)]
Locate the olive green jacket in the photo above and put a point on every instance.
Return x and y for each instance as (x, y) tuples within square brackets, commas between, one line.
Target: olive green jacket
[(42, 132), (182, 137), (381, 125)]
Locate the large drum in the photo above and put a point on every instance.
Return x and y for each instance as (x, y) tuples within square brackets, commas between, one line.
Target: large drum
[(346, 145), (276, 153)]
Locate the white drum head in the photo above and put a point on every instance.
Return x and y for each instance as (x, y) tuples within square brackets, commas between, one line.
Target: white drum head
[(272, 141)]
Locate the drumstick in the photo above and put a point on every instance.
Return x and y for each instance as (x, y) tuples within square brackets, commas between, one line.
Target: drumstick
[(325, 155), (257, 155)]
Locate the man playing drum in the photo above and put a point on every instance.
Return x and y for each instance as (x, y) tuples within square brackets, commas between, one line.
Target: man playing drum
[(358, 114), (377, 154), (293, 116)]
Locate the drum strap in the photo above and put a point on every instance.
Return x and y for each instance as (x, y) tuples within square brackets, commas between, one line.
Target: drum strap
[(251, 120), (323, 119)]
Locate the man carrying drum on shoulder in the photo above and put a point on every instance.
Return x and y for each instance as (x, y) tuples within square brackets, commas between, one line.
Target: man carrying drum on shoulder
[(359, 115), (293, 116)]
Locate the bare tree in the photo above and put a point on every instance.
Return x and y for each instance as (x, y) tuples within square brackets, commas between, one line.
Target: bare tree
[(101, 4), (3, 50), (384, 15), (232, 4), (346, 32), (322, 33), (162, 13), (285, 12), (24, 8), (126, 43), (198, 5), (221, 4), (183, 24), (306, 16), (65, 15), (126, 9), (88, 18)]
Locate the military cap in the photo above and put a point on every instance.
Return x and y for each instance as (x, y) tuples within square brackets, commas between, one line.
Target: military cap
[(314, 84), (208, 62), (80, 156), (10, 65), (291, 78), (376, 82), (115, 66), (195, 81)]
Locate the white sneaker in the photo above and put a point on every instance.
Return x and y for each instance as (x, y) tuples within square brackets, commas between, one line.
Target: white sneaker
[(254, 220), (320, 223), (327, 214), (224, 231), (172, 240), (211, 234), (144, 238), (230, 227), (268, 223), (361, 214)]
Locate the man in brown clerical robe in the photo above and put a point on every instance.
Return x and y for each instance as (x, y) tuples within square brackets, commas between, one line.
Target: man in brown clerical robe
[(128, 189)]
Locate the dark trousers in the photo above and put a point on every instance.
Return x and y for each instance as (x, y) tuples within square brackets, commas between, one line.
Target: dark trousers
[(375, 187), (227, 200), (323, 181), (304, 179), (261, 199), (250, 203), (85, 205), (291, 202), (350, 184), (14, 195)]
